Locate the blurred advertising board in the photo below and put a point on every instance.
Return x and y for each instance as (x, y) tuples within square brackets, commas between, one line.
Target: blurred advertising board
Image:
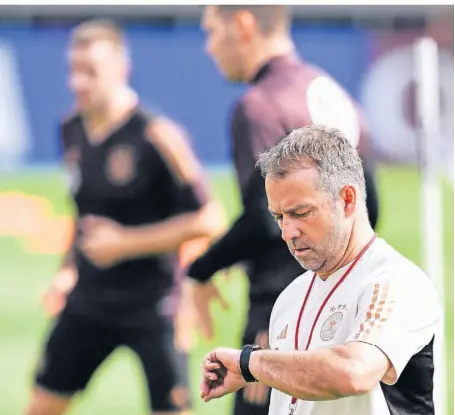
[(173, 75)]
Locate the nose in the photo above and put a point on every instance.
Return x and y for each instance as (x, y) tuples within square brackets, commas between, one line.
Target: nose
[(289, 230)]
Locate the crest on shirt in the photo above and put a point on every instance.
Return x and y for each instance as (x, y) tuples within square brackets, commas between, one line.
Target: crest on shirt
[(121, 165), (331, 325)]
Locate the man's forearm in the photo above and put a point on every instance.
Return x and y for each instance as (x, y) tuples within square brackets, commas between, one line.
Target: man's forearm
[(252, 231), (68, 257), (165, 236), (313, 376), (241, 242)]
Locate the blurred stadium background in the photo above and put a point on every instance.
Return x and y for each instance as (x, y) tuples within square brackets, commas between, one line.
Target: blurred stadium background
[(367, 48)]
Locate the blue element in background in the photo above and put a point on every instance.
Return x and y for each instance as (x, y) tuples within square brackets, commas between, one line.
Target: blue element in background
[(172, 73)]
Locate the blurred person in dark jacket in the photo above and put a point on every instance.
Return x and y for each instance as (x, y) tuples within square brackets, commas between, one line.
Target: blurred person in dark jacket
[(252, 44)]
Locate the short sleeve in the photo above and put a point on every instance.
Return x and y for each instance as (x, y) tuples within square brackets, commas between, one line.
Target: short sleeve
[(399, 318), (64, 136), (254, 128), (187, 184), (69, 137), (328, 104)]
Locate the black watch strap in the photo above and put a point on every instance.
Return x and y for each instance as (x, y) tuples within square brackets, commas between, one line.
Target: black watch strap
[(245, 361)]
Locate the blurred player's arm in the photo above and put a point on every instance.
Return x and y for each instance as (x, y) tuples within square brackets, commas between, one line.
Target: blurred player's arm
[(54, 298), (63, 282), (66, 276), (201, 216), (255, 227)]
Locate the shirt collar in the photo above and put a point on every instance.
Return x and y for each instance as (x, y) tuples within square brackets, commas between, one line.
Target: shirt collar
[(272, 64)]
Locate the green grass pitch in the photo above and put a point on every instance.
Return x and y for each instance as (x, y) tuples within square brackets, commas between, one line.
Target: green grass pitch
[(117, 389)]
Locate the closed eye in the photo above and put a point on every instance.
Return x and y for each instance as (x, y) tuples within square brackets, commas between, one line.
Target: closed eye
[(301, 215), (277, 218)]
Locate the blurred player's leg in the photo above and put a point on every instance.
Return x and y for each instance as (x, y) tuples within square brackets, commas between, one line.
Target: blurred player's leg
[(74, 350), (164, 367)]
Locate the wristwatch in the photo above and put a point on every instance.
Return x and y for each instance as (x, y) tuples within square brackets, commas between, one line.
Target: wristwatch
[(245, 361)]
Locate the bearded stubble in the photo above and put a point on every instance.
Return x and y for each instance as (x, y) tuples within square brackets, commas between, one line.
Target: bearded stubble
[(327, 251)]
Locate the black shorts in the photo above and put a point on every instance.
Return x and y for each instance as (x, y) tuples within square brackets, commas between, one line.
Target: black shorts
[(77, 345)]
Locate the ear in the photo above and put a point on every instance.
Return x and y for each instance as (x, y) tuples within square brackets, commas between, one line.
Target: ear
[(349, 197), (245, 25)]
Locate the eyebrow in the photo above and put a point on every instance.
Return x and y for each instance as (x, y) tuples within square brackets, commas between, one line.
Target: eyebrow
[(294, 209)]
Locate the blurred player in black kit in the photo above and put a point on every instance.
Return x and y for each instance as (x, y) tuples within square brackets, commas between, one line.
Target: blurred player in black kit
[(140, 195), (252, 44)]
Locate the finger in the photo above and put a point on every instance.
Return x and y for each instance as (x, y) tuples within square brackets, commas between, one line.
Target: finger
[(89, 222), (87, 244), (210, 357), (205, 326), (224, 304), (209, 375), (89, 251), (184, 339), (92, 245), (262, 339), (256, 393), (250, 392), (215, 392), (205, 387), (247, 393), (212, 366), (93, 255), (184, 344), (214, 376)]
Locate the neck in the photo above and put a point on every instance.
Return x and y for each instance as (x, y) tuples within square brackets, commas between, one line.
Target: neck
[(360, 235), (265, 51), (118, 107)]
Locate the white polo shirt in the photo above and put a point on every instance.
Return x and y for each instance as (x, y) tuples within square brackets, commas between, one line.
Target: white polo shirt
[(386, 301)]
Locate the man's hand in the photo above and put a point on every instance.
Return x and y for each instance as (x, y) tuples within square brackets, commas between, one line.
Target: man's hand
[(201, 296), (185, 321), (184, 329), (221, 374), (54, 299), (102, 241)]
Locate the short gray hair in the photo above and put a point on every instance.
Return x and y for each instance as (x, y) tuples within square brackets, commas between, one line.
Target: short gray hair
[(327, 149)]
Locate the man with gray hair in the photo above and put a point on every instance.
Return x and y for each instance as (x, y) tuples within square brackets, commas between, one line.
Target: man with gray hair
[(252, 44), (359, 342)]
